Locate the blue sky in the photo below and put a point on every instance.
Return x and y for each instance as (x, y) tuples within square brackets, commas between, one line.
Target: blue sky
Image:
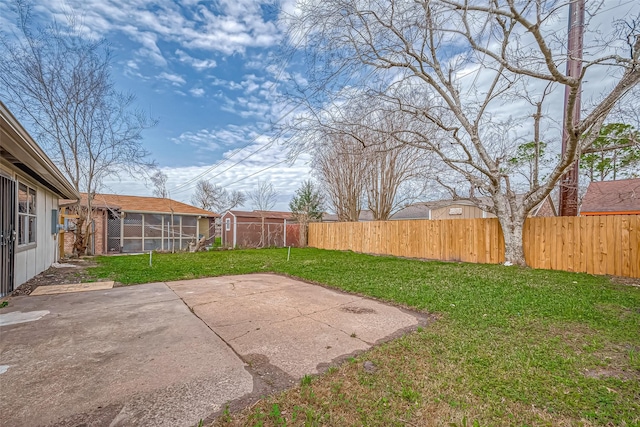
[(210, 73)]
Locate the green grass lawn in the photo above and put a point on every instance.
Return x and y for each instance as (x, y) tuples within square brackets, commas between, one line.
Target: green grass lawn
[(512, 346)]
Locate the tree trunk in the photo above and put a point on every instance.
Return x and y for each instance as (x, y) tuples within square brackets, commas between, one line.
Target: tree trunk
[(304, 229), (82, 233), (79, 245), (512, 226)]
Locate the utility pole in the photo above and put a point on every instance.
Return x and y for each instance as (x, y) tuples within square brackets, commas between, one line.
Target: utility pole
[(569, 181)]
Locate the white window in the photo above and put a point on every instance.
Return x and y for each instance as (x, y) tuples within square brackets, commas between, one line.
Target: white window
[(227, 224), (26, 215)]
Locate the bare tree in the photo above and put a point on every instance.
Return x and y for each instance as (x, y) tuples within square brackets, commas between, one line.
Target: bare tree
[(159, 181), (233, 199), (263, 198), (204, 195), (359, 161), (339, 165), (216, 198), (466, 72), (57, 80), (394, 171)]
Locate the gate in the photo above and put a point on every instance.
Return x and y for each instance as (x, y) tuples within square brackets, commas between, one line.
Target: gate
[(113, 235), (7, 234)]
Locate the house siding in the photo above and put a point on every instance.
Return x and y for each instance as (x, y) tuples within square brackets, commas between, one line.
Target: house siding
[(33, 260), (468, 212), (227, 235)]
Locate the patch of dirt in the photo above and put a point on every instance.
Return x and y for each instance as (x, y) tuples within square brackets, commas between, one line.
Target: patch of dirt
[(59, 276), (627, 281), (268, 380), (599, 373)]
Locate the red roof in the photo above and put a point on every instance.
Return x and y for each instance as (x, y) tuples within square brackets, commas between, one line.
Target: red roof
[(609, 197), (143, 204)]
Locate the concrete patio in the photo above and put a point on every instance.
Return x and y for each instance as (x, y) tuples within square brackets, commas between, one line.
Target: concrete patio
[(167, 354)]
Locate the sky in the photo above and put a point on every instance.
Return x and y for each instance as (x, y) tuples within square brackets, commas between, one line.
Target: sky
[(212, 74)]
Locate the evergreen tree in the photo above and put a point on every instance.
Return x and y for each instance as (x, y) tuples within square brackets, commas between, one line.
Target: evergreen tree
[(306, 206), (615, 154)]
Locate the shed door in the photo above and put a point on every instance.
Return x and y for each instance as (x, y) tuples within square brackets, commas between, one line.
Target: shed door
[(7, 234)]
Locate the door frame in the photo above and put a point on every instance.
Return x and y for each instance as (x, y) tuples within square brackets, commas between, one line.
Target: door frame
[(8, 194)]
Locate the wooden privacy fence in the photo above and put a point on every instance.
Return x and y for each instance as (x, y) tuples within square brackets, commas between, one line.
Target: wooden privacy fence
[(592, 244)]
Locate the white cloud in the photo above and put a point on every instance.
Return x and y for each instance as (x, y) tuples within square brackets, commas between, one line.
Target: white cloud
[(253, 106), (149, 42), (196, 91), (132, 69), (214, 139), (285, 177), (174, 79), (227, 84), (224, 26), (198, 64), (203, 139)]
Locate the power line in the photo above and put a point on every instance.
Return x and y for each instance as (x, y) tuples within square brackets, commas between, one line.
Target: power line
[(277, 77), (186, 185), (238, 150), (260, 171), (233, 165)]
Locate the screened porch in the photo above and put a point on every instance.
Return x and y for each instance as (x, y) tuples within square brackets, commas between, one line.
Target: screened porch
[(142, 232)]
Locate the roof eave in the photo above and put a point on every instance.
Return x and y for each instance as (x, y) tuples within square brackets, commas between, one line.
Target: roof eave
[(212, 215), (27, 152)]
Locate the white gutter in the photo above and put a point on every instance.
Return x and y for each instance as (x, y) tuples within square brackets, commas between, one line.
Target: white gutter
[(25, 150)]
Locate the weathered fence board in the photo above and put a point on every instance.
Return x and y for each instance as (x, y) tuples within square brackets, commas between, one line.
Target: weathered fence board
[(593, 244)]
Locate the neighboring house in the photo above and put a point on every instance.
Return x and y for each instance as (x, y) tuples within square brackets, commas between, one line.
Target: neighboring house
[(448, 209), (442, 209), (258, 229), (545, 209), (30, 186), (365, 215), (462, 209), (612, 198), (133, 224)]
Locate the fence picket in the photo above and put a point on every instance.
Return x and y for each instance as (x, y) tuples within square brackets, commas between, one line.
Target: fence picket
[(592, 244)]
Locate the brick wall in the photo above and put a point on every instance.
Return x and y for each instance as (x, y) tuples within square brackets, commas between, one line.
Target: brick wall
[(69, 237), (100, 218)]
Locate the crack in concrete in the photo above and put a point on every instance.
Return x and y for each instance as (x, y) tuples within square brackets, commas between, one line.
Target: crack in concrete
[(310, 318), (350, 335), (193, 307), (334, 306), (207, 325), (301, 314), (268, 324), (227, 296)]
